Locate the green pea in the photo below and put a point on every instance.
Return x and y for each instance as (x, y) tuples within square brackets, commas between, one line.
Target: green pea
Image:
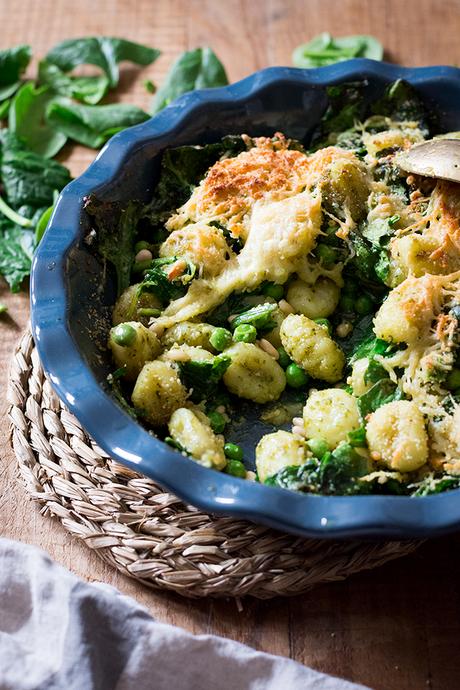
[(124, 335), (296, 377), (325, 323), (148, 311), (274, 290), (318, 447), (284, 359), (326, 254), (453, 380), (217, 421), (245, 333), (220, 339), (233, 451), (346, 304), (140, 266), (142, 244), (236, 468), (363, 305)]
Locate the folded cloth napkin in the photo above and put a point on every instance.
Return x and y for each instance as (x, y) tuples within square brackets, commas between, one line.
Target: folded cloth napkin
[(58, 632)]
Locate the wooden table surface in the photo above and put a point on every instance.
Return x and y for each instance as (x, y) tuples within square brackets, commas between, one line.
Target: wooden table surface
[(397, 627)]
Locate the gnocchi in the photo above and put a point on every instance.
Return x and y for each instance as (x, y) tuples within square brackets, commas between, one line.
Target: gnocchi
[(253, 374), (330, 415), (312, 348), (397, 436), (141, 346), (278, 450), (315, 301), (158, 391), (191, 429)]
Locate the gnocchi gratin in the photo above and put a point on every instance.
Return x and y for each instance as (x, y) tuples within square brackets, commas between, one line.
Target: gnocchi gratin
[(319, 279)]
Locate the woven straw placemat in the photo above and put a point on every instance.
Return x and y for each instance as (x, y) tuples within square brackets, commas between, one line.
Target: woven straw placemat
[(148, 533)]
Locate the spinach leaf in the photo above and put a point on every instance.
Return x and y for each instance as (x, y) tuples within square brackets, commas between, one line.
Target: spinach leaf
[(157, 282), (260, 317), (116, 230), (4, 108), (115, 382), (202, 377), (27, 177), (434, 485), (194, 69), (13, 62), (16, 249), (346, 106), (92, 125), (336, 473), (89, 90), (103, 51), (401, 102), (181, 170), (325, 50), (368, 346), (26, 119), (381, 393)]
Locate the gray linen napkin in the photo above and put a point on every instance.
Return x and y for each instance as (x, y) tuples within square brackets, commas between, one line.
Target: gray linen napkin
[(57, 631)]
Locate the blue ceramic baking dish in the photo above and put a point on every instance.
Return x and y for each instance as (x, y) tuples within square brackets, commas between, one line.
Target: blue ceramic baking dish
[(71, 295)]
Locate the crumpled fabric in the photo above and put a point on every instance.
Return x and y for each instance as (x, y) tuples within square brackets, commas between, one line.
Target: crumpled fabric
[(58, 632)]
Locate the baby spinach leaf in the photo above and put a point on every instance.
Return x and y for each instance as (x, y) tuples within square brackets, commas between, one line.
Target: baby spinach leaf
[(194, 69), (27, 177), (92, 125), (16, 249), (102, 51), (381, 393), (89, 90), (325, 50), (26, 119), (13, 62), (202, 377)]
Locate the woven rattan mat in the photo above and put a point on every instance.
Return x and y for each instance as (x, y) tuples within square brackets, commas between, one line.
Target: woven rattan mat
[(148, 533)]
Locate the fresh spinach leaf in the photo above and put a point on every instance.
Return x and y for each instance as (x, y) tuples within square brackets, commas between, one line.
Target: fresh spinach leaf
[(325, 50), (89, 90), (5, 108), (194, 69), (27, 177), (92, 125), (381, 393), (102, 51), (13, 62), (202, 377), (16, 249), (26, 119)]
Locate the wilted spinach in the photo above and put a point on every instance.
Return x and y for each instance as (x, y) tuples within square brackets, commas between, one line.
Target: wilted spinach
[(202, 378)]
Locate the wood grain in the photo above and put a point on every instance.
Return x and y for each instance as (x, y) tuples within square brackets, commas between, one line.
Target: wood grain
[(394, 628)]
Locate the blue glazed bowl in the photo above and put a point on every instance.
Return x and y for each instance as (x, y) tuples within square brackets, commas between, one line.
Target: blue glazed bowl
[(71, 296)]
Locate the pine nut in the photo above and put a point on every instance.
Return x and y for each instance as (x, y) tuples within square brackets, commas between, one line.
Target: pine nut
[(285, 307), (268, 348)]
